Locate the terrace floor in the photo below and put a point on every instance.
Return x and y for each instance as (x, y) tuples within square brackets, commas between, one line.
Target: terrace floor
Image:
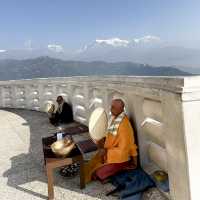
[(22, 175)]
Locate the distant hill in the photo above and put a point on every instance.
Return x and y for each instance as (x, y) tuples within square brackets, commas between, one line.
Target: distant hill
[(42, 67), (149, 49)]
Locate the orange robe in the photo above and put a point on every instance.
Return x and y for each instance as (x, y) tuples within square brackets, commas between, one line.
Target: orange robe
[(119, 148)]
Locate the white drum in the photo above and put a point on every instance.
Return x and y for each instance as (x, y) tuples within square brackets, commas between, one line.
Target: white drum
[(98, 124)]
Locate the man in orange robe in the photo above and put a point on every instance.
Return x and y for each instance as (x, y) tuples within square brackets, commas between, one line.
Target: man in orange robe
[(118, 149)]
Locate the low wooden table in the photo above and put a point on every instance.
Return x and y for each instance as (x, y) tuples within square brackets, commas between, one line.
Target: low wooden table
[(76, 155), (52, 162)]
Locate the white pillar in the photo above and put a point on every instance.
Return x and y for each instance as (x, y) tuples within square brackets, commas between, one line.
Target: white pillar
[(175, 146), (191, 117)]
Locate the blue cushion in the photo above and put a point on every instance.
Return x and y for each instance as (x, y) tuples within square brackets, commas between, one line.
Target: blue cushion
[(133, 183)]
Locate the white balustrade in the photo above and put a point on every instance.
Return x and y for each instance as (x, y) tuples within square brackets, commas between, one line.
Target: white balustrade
[(165, 114)]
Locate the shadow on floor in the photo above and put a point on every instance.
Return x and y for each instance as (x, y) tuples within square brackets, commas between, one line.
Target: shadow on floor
[(28, 167)]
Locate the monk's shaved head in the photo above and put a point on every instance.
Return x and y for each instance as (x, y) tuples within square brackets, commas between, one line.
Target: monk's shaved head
[(117, 107), (119, 103)]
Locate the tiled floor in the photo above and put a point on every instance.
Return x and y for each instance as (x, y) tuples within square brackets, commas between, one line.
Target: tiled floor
[(21, 164)]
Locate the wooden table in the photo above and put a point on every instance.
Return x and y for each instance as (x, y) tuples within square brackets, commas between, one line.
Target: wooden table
[(76, 155), (51, 163)]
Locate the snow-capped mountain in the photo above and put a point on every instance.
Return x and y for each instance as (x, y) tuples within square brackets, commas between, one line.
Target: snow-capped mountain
[(110, 43), (147, 50)]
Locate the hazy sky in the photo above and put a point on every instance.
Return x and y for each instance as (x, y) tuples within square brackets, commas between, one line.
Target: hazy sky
[(74, 23)]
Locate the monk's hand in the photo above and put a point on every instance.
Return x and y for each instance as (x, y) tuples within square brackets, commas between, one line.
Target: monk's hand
[(102, 154), (100, 143)]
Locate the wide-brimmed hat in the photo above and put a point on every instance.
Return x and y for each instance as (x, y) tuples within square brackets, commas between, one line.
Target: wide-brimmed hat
[(98, 124)]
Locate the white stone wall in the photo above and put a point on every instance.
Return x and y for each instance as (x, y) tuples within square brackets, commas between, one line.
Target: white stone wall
[(165, 113)]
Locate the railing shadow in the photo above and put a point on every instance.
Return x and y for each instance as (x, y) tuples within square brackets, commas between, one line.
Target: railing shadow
[(28, 167)]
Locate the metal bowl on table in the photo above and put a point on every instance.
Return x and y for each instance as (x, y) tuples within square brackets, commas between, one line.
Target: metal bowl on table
[(62, 147)]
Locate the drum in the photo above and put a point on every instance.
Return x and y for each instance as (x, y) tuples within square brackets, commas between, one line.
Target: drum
[(98, 124)]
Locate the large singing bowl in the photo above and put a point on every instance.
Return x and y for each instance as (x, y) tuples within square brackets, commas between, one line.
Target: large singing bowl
[(98, 124), (62, 147)]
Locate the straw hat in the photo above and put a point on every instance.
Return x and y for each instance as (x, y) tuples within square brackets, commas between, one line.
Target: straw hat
[(98, 123), (62, 147)]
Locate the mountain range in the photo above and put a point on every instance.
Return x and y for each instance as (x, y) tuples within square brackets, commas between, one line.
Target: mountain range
[(11, 69), (149, 50)]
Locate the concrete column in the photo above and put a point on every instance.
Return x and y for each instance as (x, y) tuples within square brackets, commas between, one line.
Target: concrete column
[(177, 161), (191, 117)]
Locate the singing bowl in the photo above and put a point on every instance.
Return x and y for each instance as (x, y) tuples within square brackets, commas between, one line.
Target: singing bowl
[(160, 175), (62, 147)]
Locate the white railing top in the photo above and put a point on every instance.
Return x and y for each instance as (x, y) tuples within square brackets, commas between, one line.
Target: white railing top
[(177, 84)]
